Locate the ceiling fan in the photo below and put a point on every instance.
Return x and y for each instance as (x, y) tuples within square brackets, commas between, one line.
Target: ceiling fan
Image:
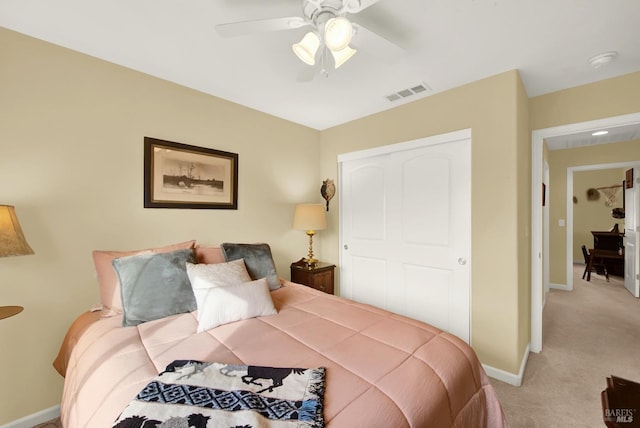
[(329, 41)]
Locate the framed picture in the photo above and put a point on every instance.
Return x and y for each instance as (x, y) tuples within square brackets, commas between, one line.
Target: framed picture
[(629, 178), (182, 176)]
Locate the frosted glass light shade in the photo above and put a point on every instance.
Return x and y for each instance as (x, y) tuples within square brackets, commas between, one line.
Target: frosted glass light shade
[(309, 217), (12, 240), (342, 56), (337, 33), (307, 47)]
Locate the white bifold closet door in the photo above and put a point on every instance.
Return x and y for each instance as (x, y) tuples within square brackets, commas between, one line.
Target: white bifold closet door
[(405, 223)]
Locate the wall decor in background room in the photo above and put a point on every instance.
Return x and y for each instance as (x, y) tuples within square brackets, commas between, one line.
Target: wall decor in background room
[(178, 175)]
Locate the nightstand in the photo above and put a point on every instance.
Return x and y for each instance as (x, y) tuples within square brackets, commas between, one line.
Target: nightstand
[(319, 276)]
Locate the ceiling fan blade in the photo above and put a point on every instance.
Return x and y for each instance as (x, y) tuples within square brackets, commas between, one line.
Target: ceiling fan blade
[(375, 44), (355, 6), (242, 28)]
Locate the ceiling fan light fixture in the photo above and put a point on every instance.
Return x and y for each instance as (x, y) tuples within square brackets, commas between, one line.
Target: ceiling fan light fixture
[(337, 33), (342, 56), (307, 48)]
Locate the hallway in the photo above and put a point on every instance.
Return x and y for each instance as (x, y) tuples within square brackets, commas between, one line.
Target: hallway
[(588, 334)]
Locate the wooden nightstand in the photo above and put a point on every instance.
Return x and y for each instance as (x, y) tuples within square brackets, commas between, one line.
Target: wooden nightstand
[(319, 276)]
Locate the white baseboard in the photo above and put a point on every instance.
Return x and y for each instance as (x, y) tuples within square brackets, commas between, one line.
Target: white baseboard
[(564, 287), (507, 377), (34, 419)]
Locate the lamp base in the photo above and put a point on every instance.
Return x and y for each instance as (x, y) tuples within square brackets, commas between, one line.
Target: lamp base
[(9, 311), (311, 262)]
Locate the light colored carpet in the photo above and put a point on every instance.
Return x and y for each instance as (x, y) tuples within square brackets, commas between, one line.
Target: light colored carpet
[(588, 334)]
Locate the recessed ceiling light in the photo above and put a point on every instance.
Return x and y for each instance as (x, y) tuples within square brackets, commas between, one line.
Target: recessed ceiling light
[(597, 133), (602, 59)]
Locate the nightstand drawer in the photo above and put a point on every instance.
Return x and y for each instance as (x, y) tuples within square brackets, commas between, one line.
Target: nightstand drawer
[(323, 281), (319, 276)]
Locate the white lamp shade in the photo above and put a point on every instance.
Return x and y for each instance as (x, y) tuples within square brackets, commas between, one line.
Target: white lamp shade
[(307, 47), (309, 217), (342, 56), (337, 33), (12, 241)]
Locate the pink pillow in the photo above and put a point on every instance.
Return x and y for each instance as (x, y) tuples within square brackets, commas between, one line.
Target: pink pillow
[(209, 255), (108, 280)]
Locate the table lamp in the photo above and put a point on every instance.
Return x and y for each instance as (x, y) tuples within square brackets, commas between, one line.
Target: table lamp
[(310, 217), (12, 243)]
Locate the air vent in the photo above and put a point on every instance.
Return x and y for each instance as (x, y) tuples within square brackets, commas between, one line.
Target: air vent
[(408, 92)]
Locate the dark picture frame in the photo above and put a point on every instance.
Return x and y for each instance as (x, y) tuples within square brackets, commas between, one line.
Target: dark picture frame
[(179, 175)]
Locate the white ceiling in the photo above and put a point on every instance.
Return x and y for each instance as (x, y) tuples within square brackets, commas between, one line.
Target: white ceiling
[(615, 134), (447, 43)]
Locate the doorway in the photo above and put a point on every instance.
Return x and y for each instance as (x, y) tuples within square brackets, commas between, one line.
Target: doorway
[(537, 146), (571, 257)]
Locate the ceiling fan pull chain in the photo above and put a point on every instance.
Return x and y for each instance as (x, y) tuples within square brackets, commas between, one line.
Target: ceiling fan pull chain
[(323, 62)]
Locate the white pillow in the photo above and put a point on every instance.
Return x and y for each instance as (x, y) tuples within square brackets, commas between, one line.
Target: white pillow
[(222, 305), (217, 274)]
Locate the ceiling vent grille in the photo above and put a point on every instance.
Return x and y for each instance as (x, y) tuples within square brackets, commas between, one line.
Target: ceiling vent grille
[(408, 92)]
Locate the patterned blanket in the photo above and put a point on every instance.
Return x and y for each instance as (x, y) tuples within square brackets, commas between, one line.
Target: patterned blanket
[(205, 395)]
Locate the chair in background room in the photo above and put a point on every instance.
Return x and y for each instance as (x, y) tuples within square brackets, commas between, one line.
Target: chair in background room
[(591, 264)]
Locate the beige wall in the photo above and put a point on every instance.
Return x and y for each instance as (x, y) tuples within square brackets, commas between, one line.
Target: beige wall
[(607, 98), (559, 161), (589, 214), (71, 161), (496, 111)]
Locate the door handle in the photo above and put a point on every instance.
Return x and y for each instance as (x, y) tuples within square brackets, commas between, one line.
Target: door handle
[(346, 247), (462, 261)]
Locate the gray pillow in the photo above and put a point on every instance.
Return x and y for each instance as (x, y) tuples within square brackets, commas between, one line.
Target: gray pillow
[(154, 286), (257, 258)]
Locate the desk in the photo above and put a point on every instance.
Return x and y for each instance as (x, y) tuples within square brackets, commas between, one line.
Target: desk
[(603, 255), (604, 240)]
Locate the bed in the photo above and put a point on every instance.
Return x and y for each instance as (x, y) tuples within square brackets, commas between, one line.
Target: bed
[(382, 369)]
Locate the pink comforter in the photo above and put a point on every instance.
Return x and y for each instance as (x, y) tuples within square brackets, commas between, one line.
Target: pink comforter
[(383, 370)]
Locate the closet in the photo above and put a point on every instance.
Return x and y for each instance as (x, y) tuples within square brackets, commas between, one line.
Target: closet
[(405, 224)]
